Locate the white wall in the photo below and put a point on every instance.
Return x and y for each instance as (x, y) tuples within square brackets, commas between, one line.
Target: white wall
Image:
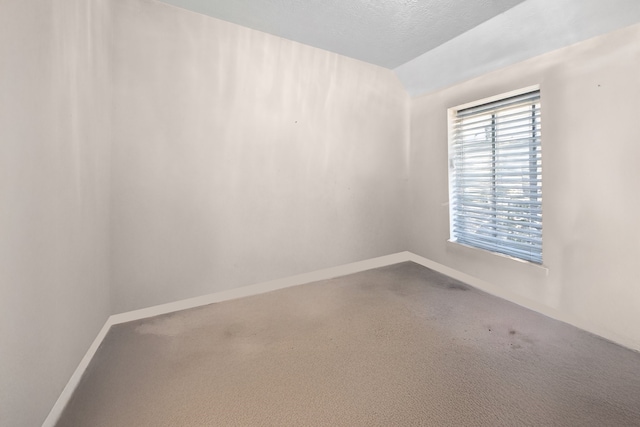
[(53, 192), (590, 112), (241, 157)]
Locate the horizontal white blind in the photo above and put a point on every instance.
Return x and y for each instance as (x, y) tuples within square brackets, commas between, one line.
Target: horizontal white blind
[(496, 177)]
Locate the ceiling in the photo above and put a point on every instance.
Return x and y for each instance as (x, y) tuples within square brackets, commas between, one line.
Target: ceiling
[(429, 44), (387, 33)]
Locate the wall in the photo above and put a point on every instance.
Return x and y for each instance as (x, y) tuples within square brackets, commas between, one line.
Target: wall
[(240, 157), (54, 194), (590, 109)]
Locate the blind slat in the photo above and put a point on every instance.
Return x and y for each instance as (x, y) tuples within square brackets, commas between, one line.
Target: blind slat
[(500, 226), (513, 102), (487, 160), (502, 210), (506, 137), (502, 236), (480, 192), (498, 174), (530, 225), (505, 125), (496, 177), (505, 146), (520, 115)]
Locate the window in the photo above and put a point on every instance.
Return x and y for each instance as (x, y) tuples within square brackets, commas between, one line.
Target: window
[(495, 176)]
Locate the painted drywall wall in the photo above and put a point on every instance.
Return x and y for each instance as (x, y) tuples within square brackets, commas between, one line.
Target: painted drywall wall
[(527, 30), (241, 157), (590, 108), (54, 194)]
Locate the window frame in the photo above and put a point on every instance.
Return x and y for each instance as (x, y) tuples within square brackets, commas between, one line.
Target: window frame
[(452, 116)]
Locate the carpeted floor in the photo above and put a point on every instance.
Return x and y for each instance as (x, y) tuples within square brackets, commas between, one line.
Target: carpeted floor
[(396, 346)]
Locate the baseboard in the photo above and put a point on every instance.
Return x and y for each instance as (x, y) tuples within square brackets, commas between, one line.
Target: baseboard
[(315, 276), (73, 382), (503, 293), (259, 288)]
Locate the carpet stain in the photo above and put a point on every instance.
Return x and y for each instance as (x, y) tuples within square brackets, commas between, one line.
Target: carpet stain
[(458, 286), (391, 346), (233, 330)]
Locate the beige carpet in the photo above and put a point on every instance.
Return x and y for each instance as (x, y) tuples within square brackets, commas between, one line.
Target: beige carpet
[(396, 346)]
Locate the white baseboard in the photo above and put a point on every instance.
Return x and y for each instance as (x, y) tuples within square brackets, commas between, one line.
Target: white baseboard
[(259, 288), (327, 273), (503, 293), (73, 382)]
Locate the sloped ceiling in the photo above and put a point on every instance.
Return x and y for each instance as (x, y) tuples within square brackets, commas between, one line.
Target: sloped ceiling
[(382, 32), (529, 29), (430, 44)]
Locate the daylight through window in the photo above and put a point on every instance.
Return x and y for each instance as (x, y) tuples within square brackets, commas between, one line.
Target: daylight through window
[(496, 177)]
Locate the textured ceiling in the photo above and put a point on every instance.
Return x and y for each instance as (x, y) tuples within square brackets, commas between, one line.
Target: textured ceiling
[(524, 31), (388, 33)]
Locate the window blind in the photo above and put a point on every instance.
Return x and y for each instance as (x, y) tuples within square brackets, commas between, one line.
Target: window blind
[(496, 177)]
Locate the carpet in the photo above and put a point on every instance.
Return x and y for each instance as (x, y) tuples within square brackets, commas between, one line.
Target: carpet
[(395, 346)]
